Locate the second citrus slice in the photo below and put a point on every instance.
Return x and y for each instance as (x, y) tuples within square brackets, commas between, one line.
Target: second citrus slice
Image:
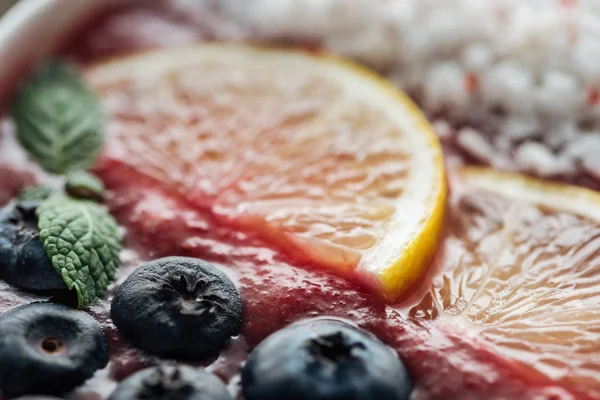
[(521, 272)]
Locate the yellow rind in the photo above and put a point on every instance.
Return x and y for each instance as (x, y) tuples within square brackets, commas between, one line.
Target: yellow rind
[(563, 197), (399, 276)]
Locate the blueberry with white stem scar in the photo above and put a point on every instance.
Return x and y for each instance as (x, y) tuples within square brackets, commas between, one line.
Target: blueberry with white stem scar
[(171, 382), (178, 307), (48, 348), (324, 359), (23, 260)]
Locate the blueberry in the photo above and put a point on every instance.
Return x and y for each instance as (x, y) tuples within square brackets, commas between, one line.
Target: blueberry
[(178, 307), (23, 260), (27, 208), (171, 382), (48, 348), (324, 359)]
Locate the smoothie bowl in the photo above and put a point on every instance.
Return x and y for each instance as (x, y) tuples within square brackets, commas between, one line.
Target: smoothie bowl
[(300, 199)]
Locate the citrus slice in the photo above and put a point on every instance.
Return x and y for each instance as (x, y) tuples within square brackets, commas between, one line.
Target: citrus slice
[(521, 271), (316, 155)]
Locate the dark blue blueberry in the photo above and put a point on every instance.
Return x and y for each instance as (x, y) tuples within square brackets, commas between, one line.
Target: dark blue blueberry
[(324, 359), (178, 307), (48, 348), (23, 260), (171, 382)]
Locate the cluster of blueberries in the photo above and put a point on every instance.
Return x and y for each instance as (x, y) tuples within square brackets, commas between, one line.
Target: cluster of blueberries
[(176, 308)]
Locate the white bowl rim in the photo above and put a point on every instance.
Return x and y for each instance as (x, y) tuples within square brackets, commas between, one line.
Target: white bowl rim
[(32, 29)]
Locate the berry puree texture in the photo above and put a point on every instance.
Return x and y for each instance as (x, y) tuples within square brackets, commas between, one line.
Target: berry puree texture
[(444, 358)]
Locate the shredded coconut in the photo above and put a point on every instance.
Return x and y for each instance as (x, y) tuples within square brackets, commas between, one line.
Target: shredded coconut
[(538, 159)]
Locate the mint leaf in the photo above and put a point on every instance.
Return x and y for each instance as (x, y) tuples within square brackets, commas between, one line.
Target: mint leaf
[(82, 242), (58, 119), (84, 185), (35, 193)]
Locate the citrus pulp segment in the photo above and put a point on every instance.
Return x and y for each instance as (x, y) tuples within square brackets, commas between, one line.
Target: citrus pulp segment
[(521, 272), (317, 156)]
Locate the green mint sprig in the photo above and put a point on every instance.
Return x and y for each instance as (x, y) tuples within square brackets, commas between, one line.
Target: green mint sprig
[(84, 185), (82, 242), (35, 193), (59, 119), (60, 122)]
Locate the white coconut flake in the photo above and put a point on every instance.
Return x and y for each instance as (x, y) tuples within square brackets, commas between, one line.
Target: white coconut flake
[(444, 87), (537, 158), (562, 133), (560, 94), (509, 80), (584, 147), (592, 167), (442, 128), (521, 127), (477, 57), (472, 142)]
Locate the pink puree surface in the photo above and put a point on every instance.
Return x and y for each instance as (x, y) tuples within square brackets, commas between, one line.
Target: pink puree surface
[(442, 361)]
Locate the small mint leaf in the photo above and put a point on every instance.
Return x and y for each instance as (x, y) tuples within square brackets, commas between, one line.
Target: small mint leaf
[(35, 193), (84, 185), (82, 242), (58, 119)]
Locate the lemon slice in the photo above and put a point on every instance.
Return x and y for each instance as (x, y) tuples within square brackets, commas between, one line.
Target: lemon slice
[(319, 157), (521, 272)]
